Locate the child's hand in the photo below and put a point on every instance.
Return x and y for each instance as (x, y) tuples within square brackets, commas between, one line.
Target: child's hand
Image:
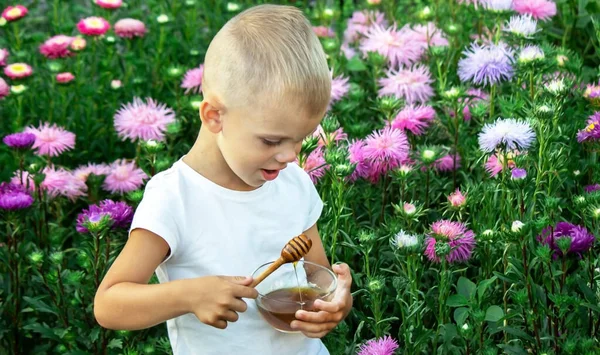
[(327, 315), (216, 300)]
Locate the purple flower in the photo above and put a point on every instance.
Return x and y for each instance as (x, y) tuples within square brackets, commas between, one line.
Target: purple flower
[(460, 240), (21, 140), (592, 188), (592, 131), (518, 174), (382, 346), (120, 213), (14, 197), (581, 239), (487, 65), (508, 133)]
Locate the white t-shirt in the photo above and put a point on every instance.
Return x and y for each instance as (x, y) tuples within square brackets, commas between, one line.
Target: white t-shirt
[(212, 230)]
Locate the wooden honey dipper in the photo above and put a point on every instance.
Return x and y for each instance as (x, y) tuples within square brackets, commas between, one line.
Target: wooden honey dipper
[(293, 251)]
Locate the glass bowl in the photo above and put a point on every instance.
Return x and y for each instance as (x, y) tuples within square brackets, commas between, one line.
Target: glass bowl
[(291, 288)]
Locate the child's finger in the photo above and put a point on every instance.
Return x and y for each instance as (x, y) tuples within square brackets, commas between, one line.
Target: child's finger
[(312, 327), (315, 317), (331, 307)]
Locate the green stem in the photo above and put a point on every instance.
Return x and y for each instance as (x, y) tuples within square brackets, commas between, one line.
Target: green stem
[(492, 98)]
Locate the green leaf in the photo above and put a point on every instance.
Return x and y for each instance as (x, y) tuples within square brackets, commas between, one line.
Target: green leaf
[(590, 296), (115, 344), (456, 301), (592, 7), (355, 64), (494, 314), (39, 305), (460, 315), (483, 286), (44, 330), (94, 334), (517, 332), (466, 287), (512, 349)]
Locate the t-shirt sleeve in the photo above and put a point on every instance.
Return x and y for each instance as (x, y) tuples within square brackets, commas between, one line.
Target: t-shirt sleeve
[(315, 203), (156, 213)]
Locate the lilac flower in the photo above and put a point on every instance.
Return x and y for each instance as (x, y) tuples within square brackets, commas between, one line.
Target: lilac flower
[(581, 239), (460, 240), (14, 197), (592, 188), (592, 131), (487, 65), (518, 174), (23, 140), (120, 213), (381, 346), (506, 133)]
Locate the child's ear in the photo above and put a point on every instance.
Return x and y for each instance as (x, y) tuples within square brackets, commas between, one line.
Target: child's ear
[(210, 115)]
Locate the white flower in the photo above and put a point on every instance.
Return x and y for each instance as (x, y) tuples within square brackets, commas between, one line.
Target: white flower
[(516, 226), (404, 240)]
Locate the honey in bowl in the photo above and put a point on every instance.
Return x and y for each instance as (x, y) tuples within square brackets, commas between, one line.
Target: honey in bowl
[(279, 307)]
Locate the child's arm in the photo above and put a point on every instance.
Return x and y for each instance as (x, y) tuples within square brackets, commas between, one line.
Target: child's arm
[(124, 300)]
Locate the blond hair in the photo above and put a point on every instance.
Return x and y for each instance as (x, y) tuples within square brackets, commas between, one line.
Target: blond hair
[(268, 52)]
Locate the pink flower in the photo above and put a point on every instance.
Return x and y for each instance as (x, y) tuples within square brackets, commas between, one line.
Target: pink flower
[(12, 13), (339, 88), (124, 177), (56, 47), (4, 89), (3, 55), (24, 179), (382, 346), (457, 199), (414, 119), (494, 163), (323, 32), (130, 28), (360, 22), (348, 51), (192, 81), (64, 78), (145, 121), (401, 47), (409, 208), (51, 140), (461, 241), (78, 43), (538, 9), (413, 85), (93, 26), (446, 163), (356, 155), (109, 4), (326, 138), (478, 95), (60, 182), (315, 165), (384, 150), (430, 35), (84, 171), (18, 71)]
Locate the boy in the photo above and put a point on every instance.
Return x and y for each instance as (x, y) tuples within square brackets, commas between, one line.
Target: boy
[(233, 201)]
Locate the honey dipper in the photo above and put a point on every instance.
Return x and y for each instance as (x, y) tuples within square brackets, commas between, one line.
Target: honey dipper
[(293, 251)]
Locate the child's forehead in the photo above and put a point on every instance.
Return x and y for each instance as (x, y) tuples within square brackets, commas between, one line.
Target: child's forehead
[(277, 120)]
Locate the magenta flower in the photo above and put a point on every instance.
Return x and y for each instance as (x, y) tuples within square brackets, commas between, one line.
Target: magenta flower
[(457, 199), (581, 239), (109, 4), (51, 140), (538, 9), (93, 26), (591, 188), (592, 131), (315, 165), (381, 346), (3, 55), (12, 13), (124, 177), (413, 85), (61, 182), (64, 78), (57, 47), (192, 80), (414, 119), (23, 140), (356, 156), (120, 214), (401, 47), (145, 121), (129, 28), (518, 174), (4, 89), (14, 197), (387, 145), (446, 163), (460, 240)]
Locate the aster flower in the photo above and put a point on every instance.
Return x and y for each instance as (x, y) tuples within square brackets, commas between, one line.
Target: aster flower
[(14, 197), (129, 28), (430, 35), (414, 119), (381, 346), (78, 43), (360, 22), (522, 26), (339, 88), (120, 214), (84, 171), (93, 26), (51, 140), (124, 177), (487, 65), (145, 121), (581, 239), (457, 199), (348, 51), (56, 47), (326, 138), (518, 174), (21, 140), (494, 164), (592, 188), (388, 145), (192, 81), (315, 165), (538, 9), (446, 163), (476, 95), (592, 92), (61, 182), (323, 32), (460, 240), (401, 47), (413, 85), (12, 13), (506, 133), (3, 55), (592, 131), (4, 89), (18, 71), (109, 4), (64, 78), (404, 240), (497, 5), (356, 155), (530, 53)]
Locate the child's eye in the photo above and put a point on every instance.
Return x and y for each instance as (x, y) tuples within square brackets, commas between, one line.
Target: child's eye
[(270, 143)]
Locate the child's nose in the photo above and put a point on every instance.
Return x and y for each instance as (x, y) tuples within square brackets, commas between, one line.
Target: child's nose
[(287, 155)]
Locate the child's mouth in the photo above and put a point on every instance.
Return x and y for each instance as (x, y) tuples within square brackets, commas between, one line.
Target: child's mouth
[(269, 174)]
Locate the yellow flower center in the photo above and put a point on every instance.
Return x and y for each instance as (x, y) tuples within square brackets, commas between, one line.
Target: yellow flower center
[(14, 12), (94, 23), (590, 127), (18, 68)]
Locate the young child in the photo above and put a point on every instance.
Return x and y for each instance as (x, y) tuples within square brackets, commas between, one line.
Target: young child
[(233, 201)]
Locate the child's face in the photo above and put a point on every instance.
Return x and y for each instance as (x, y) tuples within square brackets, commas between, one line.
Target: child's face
[(257, 143)]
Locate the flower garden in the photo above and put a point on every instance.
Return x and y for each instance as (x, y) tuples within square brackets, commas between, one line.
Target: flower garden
[(458, 163)]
